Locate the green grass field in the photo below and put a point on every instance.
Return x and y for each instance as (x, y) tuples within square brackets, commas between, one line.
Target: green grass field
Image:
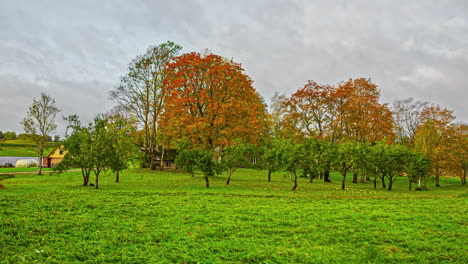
[(166, 217), (13, 169), (21, 148)]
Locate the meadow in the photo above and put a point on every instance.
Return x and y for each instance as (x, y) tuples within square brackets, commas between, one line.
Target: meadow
[(21, 148), (170, 217)]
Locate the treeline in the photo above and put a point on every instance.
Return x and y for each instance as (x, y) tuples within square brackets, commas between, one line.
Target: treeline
[(11, 135), (205, 106)]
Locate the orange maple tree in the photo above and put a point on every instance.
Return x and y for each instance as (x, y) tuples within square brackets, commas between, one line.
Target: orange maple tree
[(359, 114), (349, 111), (211, 102)]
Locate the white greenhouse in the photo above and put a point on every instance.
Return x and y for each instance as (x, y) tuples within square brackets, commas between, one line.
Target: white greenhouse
[(26, 163)]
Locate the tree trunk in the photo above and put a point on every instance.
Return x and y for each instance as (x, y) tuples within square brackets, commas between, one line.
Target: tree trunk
[(312, 175), (437, 177), (163, 152), (463, 178), (97, 180), (410, 182), (229, 178), (343, 182), (363, 179), (41, 161), (390, 183), (152, 162), (269, 174), (355, 177), (383, 182), (207, 181), (375, 183), (326, 175), (85, 175), (117, 176), (295, 182)]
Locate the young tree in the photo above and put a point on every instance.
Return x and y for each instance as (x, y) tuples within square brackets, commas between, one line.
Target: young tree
[(294, 160), (141, 93), (78, 146), (235, 156), (319, 154), (186, 160), (273, 155), (418, 170), (212, 103), (391, 161), (101, 148), (40, 122), (122, 147), (344, 160), (197, 159)]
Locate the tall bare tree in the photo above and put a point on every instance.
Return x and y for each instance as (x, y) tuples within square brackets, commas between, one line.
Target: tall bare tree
[(141, 93), (40, 122), (408, 117)]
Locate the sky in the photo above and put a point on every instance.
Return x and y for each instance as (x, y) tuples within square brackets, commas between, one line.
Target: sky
[(76, 51)]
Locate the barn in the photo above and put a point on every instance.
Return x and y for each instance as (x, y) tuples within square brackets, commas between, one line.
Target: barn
[(54, 157)]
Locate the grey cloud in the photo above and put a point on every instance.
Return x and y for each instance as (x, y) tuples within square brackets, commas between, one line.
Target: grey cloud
[(80, 49)]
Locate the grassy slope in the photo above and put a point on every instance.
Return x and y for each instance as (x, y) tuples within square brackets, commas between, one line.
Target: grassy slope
[(21, 148), (171, 218)]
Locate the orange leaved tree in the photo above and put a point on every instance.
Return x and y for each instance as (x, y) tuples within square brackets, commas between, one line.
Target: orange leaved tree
[(433, 138), (211, 102)]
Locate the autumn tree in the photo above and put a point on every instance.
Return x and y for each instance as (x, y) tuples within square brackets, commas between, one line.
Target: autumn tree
[(458, 158), (141, 93), (433, 139), (39, 123), (360, 115), (211, 102), (308, 110)]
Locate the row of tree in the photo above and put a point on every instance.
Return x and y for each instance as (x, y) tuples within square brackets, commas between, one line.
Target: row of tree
[(101, 145), (351, 112), (205, 105)]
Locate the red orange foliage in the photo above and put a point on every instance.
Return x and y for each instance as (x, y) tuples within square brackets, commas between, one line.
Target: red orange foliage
[(211, 102)]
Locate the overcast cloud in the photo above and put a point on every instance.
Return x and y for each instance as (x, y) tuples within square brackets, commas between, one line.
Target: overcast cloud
[(76, 51)]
